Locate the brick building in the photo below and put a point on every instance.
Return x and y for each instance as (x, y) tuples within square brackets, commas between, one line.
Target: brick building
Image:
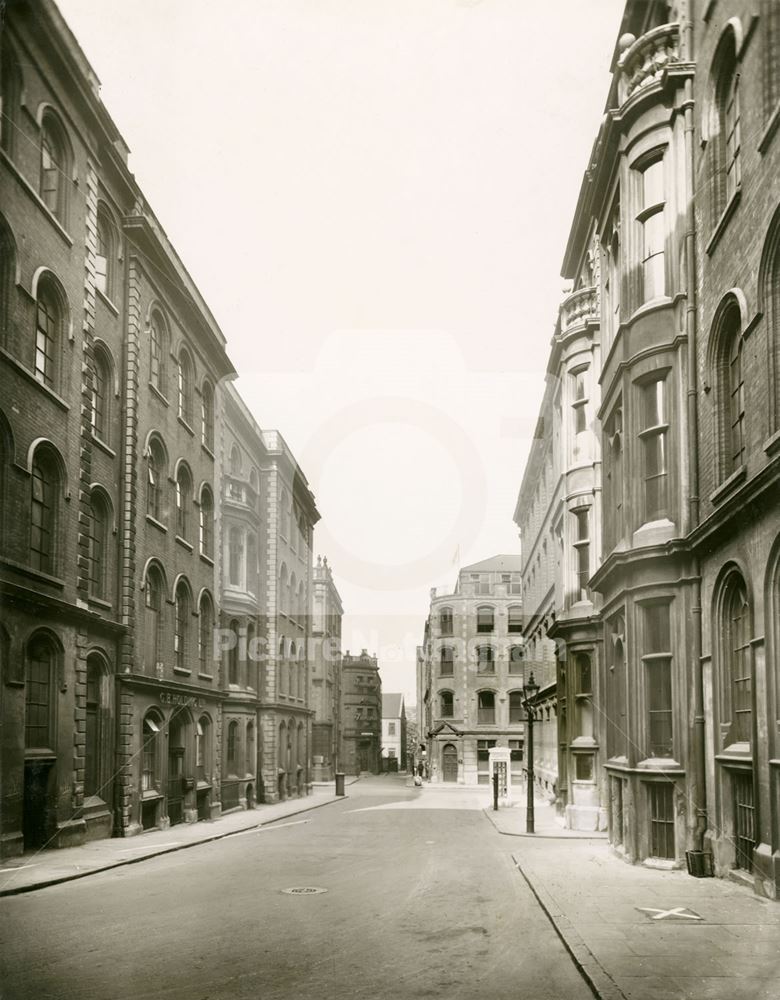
[(325, 659), (679, 212), (240, 553), (145, 518), (470, 673), (361, 714), (286, 714)]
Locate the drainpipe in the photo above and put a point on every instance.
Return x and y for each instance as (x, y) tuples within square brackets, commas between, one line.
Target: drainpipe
[(697, 786)]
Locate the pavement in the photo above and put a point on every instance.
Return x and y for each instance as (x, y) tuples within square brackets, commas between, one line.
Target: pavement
[(38, 869), (645, 934)]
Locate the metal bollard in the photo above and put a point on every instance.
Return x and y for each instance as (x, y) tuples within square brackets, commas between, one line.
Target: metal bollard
[(495, 791), (339, 783)]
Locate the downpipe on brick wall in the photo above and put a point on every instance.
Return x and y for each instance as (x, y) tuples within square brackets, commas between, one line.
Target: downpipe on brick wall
[(699, 789)]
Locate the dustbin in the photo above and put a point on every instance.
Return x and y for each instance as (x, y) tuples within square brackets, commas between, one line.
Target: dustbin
[(339, 783)]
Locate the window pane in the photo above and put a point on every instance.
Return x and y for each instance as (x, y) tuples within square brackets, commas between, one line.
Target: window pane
[(653, 184), (38, 696), (659, 706), (654, 403)]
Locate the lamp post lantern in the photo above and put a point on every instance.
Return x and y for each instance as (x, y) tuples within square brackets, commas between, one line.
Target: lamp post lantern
[(530, 691)]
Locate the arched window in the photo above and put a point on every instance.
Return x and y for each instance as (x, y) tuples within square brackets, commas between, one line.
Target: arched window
[(181, 635), (235, 461), (48, 332), (104, 253), (485, 619), (232, 748), (236, 557), (205, 634), (515, 659), (251, 658), (445, 621), (39, 693), (250, 748), (203, 748), (283, 590), (515, 619), (730, 388), (486, 707), (727, 124), (284, 505), (207, 415), (55, 167), (282, 673), (93, 734), (516, 711), (737, 662), (101, 394), (206, 522), (446, 661), (155, 479), (446, 706), (301, 673), (153, 608), (183, 498), (44, 502), (158, 352), (292, 603), (150, 753), (10, 93), (251, 563), (98, 548), (7, 274), (301, 601), (486, 662), (186, 387), (235, 629)]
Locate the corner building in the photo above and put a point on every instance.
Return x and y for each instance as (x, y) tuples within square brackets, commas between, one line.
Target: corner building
[(679, 208), (109, 362), (361, 714), (472, 673)]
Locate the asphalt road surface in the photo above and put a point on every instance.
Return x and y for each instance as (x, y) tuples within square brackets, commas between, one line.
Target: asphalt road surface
[(422, 900)]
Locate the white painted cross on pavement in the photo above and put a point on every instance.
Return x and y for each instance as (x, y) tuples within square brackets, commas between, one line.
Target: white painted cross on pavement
[(681, 912)]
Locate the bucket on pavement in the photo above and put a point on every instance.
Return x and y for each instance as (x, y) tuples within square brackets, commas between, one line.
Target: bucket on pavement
[(339, 783)]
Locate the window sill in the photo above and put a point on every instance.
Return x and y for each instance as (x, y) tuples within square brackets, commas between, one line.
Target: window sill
[(103, 446), (660, 764), (30, 376), (34, 574), (208, 450), (772, 444), (207, 559), (184, 543), (183, 671), (768, 133), (150, 795), (205, 677), (729, 485), (156, 523), (723, 221), (98, 602), (107, 301), (186, 425), (156, 392)]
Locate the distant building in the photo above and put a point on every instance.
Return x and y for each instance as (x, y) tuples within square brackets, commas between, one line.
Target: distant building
[(470, 673), (325, 659), (361, 714), (393, 733)]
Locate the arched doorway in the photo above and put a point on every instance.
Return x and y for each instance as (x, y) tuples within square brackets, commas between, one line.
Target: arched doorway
[(177, 742), (449, 762)]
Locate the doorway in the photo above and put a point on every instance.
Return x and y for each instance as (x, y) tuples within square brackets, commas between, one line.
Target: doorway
[(36, 817), (449, 759), (175, 790)]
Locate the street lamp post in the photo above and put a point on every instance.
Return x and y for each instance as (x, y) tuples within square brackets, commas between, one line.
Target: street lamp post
[(530, 691)]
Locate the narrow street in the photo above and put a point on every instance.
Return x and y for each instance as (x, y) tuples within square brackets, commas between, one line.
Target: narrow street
[(422, 900)]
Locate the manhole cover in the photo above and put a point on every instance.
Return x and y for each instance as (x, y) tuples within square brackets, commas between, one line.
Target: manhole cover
[(303, 890)]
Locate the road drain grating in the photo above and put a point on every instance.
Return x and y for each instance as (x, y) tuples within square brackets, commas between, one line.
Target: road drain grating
[(303, 890)]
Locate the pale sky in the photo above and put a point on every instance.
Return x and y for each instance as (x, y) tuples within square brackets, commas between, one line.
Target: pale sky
[(374, 198)]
